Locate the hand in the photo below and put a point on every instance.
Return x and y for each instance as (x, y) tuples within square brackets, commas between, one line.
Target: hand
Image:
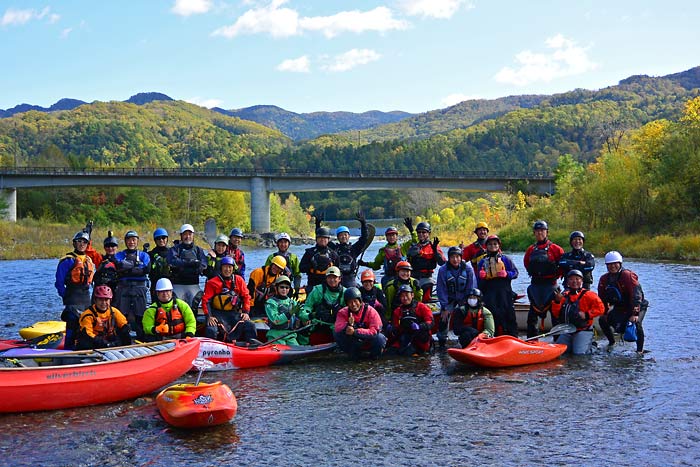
[(351, 319), (502, 273), (318, 219), (483, 335), (146, 246), (162, 328), (634, 318), (408, 222), (436, 242), (557, 295), (360, 216), (349, 330), (415, 326), (482, 274), (362, 263), (99, 343), (88, 228), (211, 321), (245, 316)]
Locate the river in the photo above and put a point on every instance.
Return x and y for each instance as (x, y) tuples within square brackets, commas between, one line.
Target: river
[(605, 409)]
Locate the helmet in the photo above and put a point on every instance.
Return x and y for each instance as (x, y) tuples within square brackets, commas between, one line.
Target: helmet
[(282, 279), (574, 272), (159, 232), (228, 260), (333, 271), (367, 275), (221, 239), (540, 225), (423, 226), (185, 228), (111, 240), (323, 232), (236, 232), (574, 234), (454, 250), (81, 236), (475, 292), (131, 234), (164, 284), (404, 265), (279, 261), (284, 236), (391, 229), (102, 291), (341, 229), (481, 225), (494, 237), (352, 293), (613, 257), (405, 288)]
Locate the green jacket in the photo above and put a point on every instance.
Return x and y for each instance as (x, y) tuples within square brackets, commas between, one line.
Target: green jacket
[(292, 265), (391, 292), (149, 317), (281, 313), (489, 324), (379, 259), (323, 304)]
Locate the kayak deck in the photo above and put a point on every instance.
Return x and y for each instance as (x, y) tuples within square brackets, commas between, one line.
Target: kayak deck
[(505, 351)]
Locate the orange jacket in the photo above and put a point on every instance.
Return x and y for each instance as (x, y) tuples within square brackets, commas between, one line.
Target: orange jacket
[(589, 303)]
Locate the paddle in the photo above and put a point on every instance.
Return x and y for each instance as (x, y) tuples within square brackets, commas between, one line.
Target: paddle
[(303, 328), (555, 331), (371, 232), (210, 231), (201, 364)]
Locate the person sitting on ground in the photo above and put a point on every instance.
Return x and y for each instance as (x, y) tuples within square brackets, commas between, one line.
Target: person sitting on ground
[(409, 332), (292, 271), (282, 313), (322, 304), (388, 256), (168, 317), (102, 325), (358, 326), (455, 279), (372, 294), (477, 250), (578, 306), (473, 319), (578, 258), (495, 272), (261, 284)]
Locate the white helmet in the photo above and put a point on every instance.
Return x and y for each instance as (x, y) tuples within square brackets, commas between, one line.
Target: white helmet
[(164, 284), (613, 257), (284, 236), (186, 227)]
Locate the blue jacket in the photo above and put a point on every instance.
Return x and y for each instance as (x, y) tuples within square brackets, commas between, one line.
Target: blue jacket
[(453, 284), (132, 265)]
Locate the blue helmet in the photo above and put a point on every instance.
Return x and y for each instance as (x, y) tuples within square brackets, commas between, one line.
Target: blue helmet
[(236, 232), (341, 229), (227, 260), (159, 232)]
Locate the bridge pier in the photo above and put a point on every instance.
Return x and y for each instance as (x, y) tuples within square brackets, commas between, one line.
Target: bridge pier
[(9, 195), (259, 205)]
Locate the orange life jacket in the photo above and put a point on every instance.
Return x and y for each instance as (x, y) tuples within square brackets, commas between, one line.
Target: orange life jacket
[(174, 319), (105, 325), (492, 265), (83, 269)]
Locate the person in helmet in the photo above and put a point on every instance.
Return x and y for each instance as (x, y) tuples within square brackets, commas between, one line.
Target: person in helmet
[(101, 325), (187, 263), (131, 295), (403, 277), (389, 256), (261, 284), (282, 313), (477, 250), (578, 258), (168, 317), (424, 256), (106, 271), (495, 272), (318, 259), (348, 252), (542, 264), (159, 267), (358, 327), (473, 319), (455, 279), (234, 250), (578, 306), (74, 274), (322, 304), (372, 294), (94, 255), (411, 324), (226, 306), (623, 300), (216, 255), (292, 271)]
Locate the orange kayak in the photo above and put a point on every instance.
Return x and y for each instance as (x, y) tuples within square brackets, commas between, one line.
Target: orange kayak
[(505, 351), (190, 406)]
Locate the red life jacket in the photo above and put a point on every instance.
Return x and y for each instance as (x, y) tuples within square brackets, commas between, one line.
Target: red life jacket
[(422, 258), (392, 256), (475, 321)]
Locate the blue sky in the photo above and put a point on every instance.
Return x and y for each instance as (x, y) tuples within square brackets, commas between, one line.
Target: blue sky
[(305, 56)]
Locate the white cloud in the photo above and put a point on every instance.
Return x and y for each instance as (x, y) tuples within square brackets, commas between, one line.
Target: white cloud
[(456, 98), (285, 22), (566, 59), (442, 9), (295, 65), (208, 103), (351, 59), (66, 32), (191, 7), (18, 17)]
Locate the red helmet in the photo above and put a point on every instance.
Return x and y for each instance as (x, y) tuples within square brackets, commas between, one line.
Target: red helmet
[(493, 237), (404, 265), (391, 229), (102, 291), (367, 275)]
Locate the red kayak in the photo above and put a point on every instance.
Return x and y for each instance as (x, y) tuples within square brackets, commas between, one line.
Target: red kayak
[(89, 377), (196, 406), (231, 357), (49, 341), (503, 351)]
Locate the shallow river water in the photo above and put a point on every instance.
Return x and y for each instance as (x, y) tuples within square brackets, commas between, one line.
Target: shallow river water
[(605, 409)]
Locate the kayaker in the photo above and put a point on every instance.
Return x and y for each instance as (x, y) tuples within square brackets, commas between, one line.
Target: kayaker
[(403, 277), (409, 332), (226, 306), (187, 262), (424, 257), (322, 304), (216, 255), (94, 255), (106, 272), (542, 264), (372, 294), (131, 296), (261, 282), (473, 319), (578, 258), (235, 238), (74, 274), (318, 259), (358, 326), (102, 325), (292, 271), (495, 272), (455, 279), (578, 306), (623, 298), (477, 250), (348, 252), (168, 317), (282, 313), (159, 266), (389, 256)]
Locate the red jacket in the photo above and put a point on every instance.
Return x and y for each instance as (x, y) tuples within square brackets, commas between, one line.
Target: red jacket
[(474, 252), (590, 304), (367, 321), (628, 284), (423, 315), (215, 286)]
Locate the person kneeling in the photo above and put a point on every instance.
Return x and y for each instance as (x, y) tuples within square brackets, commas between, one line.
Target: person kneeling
[(473, 319), (282, 313), (101, 325), (357, 327), (577, 306), (409, 332), (168, 317)]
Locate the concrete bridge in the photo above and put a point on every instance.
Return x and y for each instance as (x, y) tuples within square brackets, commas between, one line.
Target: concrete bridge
[(260, 183)]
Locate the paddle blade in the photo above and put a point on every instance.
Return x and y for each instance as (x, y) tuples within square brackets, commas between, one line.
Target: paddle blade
[(371, 232), (562, 329), (210, 231)]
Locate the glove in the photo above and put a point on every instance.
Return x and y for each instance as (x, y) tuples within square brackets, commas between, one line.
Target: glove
[(162, 328), (88, 228), (361, 217), (415, 326), (408, 222), (502, 273), (362, 263), (482, 274), (99, 343), (436, 242), (189, 335), (318, 219), (146, 246)]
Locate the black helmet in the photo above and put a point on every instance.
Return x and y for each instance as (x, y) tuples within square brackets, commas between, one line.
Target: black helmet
[(475, 292), (111, 240), (405, 288), (540, 225), (454, 250), (574, 272), (423, 226), (323, 232), (352, 293), (576, 233)]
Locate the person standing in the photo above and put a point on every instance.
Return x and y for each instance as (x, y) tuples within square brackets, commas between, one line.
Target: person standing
[(357, 327), (235, 238), (168, 317), (579, 259), (495, 273), (102, 325), (216, 255), (106, 271), (348, 252), (159, 267), (292, 270), (455, 279), (131, 296), (187, 262), (318, 259), (388, 256), (424, 257), (477, 250)]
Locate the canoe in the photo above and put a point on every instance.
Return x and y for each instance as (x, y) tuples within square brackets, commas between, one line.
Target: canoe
[(190, 406), (232, 357), (42, 328), (503, 351), (89, 377)]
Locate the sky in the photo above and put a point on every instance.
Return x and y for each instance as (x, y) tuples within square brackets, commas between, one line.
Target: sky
[(332, 55)]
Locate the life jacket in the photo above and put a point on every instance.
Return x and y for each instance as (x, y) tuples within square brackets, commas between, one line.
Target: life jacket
[(238, 258), (396, 283), (570, 311), (482, 251), (227, 299), (408, 316), (327, 311), (175, 320), (320, 262), (82, 272), (493, 265), (457, 283), (285, 306), (103, 326), (346, 261), (422, 258), (392, 257), (370, 297), (106, 273), (541, 265), (159, 266), (265, 289), (360, 322), (473, 320)]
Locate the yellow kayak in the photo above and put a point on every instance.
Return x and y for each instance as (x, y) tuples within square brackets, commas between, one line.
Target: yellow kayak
[(42, 328)]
